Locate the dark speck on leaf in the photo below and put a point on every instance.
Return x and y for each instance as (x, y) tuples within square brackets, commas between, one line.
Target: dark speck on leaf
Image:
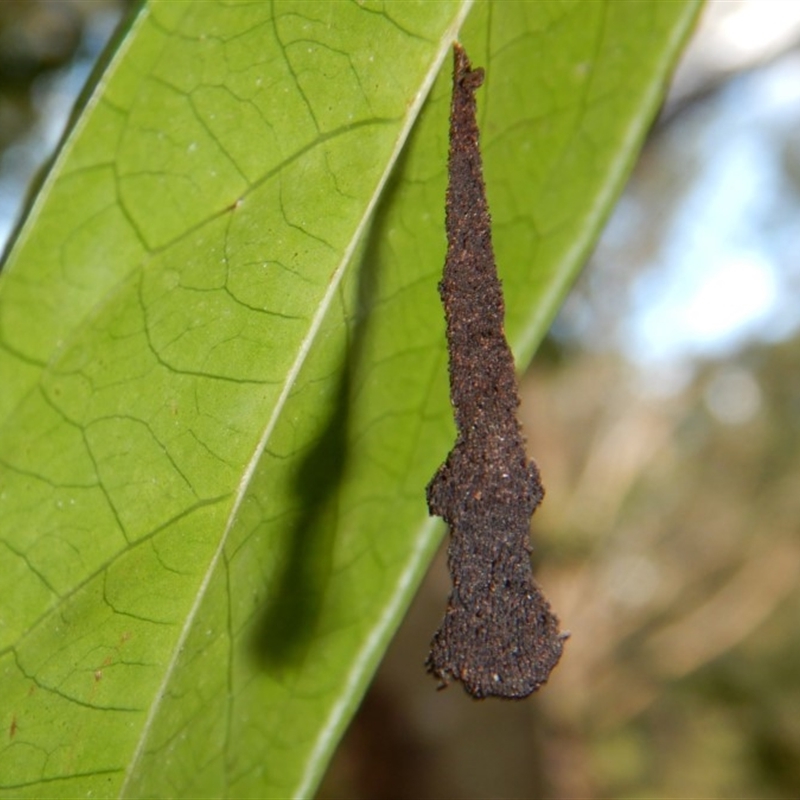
[(498, 637)]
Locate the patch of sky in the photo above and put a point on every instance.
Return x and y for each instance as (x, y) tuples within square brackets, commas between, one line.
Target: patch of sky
[(726, 272)]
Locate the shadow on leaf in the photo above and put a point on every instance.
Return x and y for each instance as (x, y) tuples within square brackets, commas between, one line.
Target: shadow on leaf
[(286, 629)]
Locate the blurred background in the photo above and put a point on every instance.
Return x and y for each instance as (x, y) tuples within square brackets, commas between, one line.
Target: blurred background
[(664, 412)]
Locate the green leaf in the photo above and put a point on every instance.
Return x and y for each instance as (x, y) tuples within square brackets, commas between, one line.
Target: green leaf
[(223, 365)]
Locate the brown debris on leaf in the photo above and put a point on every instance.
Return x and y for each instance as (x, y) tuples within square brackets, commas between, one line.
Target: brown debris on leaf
[(499, 637)]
